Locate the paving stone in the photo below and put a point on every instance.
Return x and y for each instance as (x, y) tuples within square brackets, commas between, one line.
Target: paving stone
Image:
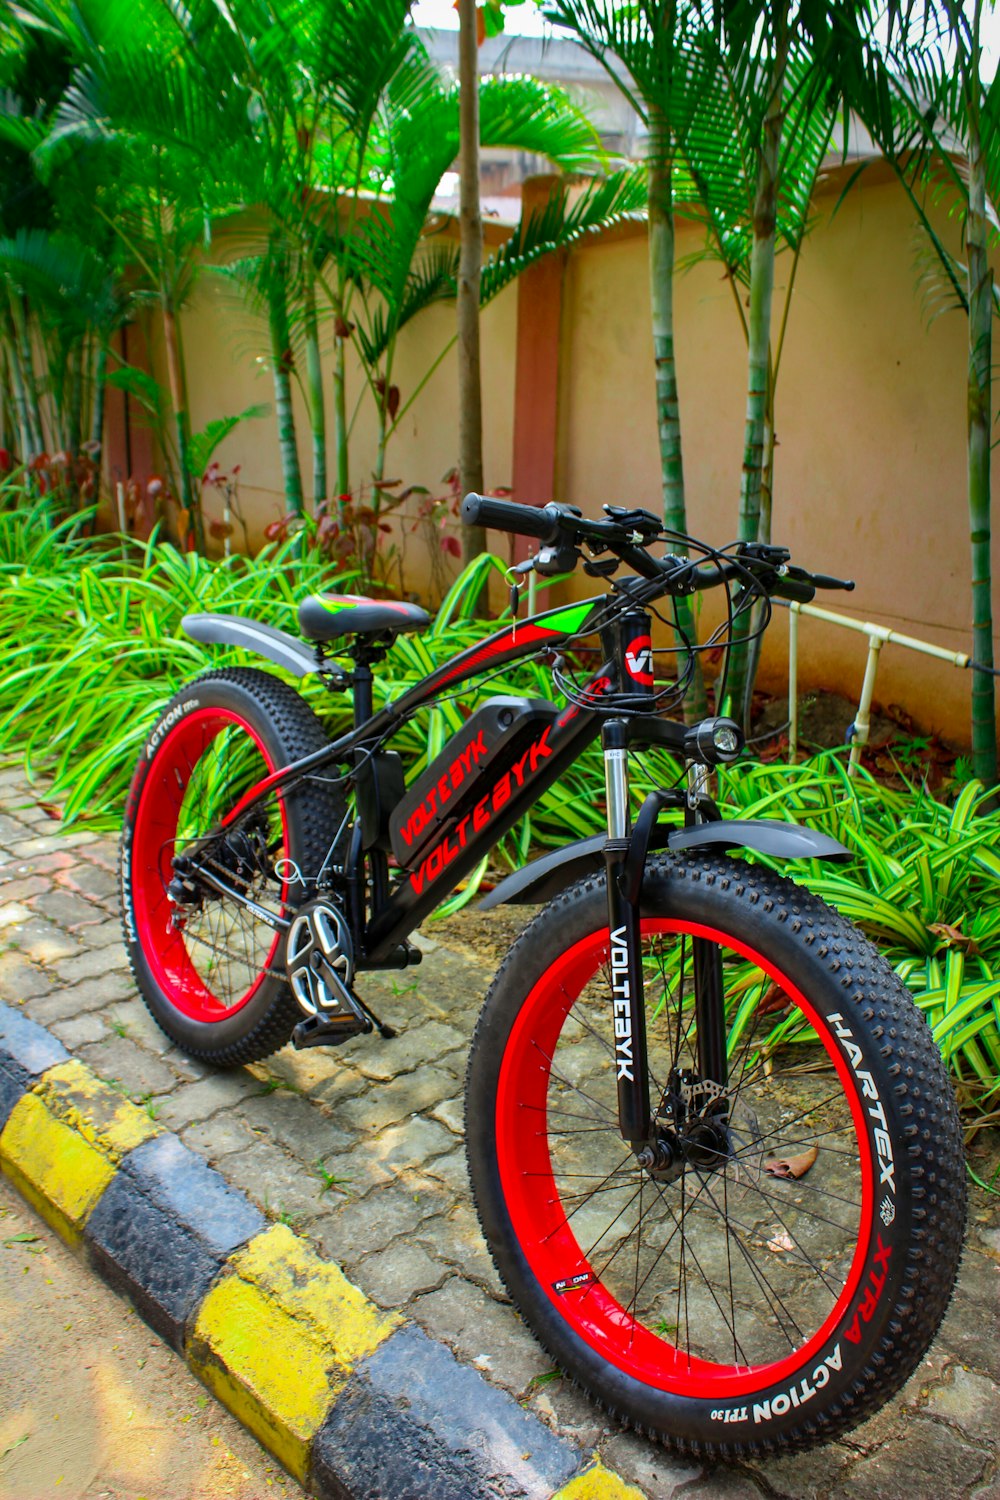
[(420, 1042), (358, 1170), (216, 1137), (925, 1454), (649, 1466), (491, 1337), (398, 1100), (367, 1224), (310, 1071), (343, 1083), (451, 1113), (91, 994), (51, 843), (567, 1411), (79, 1030), (723, 1484), (416, 1140), (394, 1276), (452, 1170), (197, 1101), (457, 1238), (14, 914), (133, 1019), (108, 935), (436, 1199), (296, 1124), (808, 1476), (67, 909), (21, 980), (12, 830), (969, 1401), (34, 815), (93, 963), (971, 1329), (21, 888), (270, 1180), (51, 863), (43, 941), (92, 880), (118, 1059)]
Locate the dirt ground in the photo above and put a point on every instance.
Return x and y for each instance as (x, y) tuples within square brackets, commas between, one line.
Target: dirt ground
[(92, 1405)]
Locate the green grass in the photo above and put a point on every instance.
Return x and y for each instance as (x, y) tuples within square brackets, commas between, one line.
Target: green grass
[(93, 649)]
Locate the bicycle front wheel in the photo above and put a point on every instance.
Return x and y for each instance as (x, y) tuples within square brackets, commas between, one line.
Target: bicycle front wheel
[(758, 1288)]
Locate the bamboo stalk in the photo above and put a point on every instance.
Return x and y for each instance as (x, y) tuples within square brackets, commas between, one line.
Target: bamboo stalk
[(984, 734), (340, 427), (661, 289), (762, 257), (470, 404), (177, 379), (281, 364), (314, 391)]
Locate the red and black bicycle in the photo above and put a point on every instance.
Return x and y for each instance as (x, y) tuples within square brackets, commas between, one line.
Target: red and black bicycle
[(713, 1147)]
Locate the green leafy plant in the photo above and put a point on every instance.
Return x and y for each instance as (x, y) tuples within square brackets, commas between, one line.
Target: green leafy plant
[(925, 885)]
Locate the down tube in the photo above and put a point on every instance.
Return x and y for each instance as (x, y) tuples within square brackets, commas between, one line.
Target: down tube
[(452, 857)]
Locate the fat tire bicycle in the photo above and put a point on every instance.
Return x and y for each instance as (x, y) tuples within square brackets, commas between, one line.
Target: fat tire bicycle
[(713, 1147)]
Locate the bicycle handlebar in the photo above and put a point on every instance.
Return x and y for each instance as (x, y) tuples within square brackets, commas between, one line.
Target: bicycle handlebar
[(628, 532), (544, 522)]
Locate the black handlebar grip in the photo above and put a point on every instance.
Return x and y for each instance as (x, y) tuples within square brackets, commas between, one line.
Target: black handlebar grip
[(796, 589), (507, 515), (825, 581)]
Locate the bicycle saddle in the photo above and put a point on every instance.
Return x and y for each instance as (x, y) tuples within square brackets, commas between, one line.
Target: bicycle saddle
[(322, 617)]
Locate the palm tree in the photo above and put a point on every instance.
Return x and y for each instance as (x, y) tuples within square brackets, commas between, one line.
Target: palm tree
[(754, 150), (403, 270), (655, 51)]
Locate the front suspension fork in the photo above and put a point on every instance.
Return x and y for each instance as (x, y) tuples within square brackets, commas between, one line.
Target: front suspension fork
[(627, 993), (627, 986)]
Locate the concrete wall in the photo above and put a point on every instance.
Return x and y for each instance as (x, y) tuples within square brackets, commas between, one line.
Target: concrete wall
[(870, 468)]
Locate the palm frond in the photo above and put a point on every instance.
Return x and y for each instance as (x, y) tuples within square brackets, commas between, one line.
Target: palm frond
[(561, 221)]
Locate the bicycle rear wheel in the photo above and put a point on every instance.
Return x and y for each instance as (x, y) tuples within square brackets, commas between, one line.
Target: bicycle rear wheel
[(211, 969), (758, 1288)]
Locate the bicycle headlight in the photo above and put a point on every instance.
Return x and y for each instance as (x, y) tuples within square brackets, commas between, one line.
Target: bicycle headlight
[(713, 742)]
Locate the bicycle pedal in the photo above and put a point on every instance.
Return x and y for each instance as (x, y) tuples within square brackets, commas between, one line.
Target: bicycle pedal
[(328, 1031)]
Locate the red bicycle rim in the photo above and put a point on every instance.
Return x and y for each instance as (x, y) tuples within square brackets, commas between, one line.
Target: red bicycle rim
[(539, 1217), (161, 799)]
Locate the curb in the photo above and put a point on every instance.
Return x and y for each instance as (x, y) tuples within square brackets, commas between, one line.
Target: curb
[(356, 1403)]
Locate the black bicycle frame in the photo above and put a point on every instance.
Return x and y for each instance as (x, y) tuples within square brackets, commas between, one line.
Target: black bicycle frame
[(382, 920)]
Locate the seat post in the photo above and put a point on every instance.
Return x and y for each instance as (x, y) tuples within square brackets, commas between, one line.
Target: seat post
[(362, 679)]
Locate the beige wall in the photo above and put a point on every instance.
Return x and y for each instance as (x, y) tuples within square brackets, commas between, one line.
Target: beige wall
[(870, 468), (226, 374)]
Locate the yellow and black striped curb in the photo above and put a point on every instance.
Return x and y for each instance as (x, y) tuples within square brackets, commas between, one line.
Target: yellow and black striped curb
[(357, 1403)]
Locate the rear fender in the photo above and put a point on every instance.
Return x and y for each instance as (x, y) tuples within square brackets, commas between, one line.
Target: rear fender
[(264, 640)]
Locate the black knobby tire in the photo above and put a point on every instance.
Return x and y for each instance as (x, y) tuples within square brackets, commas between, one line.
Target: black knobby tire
[(729, 1310), (216, 986)]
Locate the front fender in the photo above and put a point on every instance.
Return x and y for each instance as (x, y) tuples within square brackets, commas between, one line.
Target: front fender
[(544, 878), (264, 640)]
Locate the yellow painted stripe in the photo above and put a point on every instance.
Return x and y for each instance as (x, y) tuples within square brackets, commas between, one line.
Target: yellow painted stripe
[(102, 1115), (598, 1483), (277, 1338), (60, 1173)]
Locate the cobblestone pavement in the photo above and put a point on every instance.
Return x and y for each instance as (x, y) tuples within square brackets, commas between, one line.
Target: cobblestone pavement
[(361, 1150)]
